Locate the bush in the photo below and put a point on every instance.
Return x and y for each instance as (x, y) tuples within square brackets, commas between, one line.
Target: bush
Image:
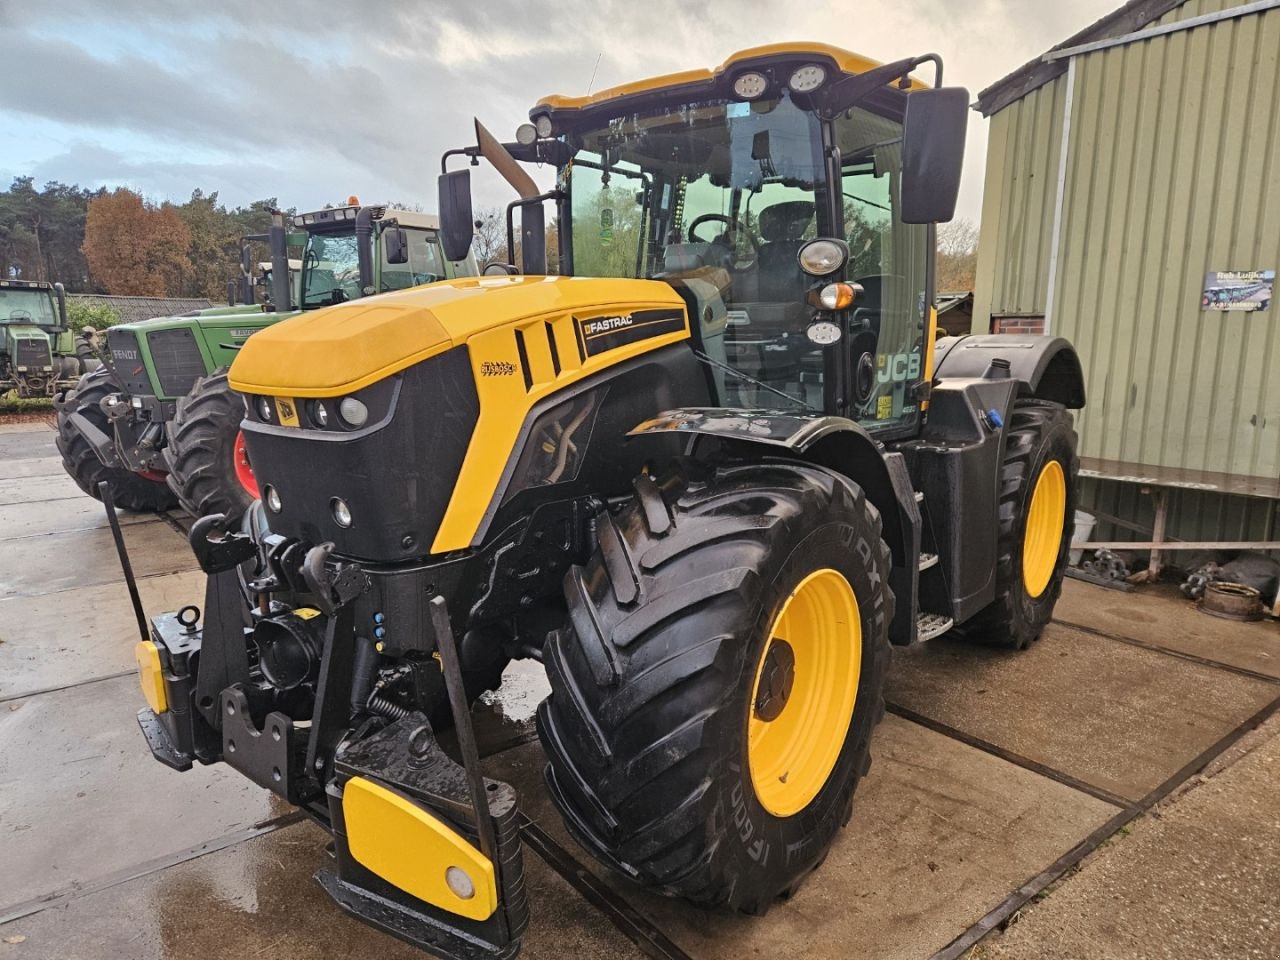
[(82, 313)]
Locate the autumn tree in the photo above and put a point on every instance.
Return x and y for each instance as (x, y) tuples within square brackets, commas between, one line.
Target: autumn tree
[(957, 255), (134, 247)]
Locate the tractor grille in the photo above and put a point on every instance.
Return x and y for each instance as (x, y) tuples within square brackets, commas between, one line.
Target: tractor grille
[(33, 353), (126, 358), (177, 360)]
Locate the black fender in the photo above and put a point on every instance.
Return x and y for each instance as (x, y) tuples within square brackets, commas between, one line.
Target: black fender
[(1046, 367), (838, 444)]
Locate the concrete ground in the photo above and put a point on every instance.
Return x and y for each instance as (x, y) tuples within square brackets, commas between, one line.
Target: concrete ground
[(990, 769)]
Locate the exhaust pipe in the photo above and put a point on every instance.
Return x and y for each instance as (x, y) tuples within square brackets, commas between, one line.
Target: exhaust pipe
[(502, 161), (281, 287), (533, 231)]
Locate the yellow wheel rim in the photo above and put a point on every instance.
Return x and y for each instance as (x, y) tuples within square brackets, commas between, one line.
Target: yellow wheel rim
[(1046, 520), (804, 693)]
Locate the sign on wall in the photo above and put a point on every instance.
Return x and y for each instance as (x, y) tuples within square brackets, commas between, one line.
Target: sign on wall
[(1238, 290)]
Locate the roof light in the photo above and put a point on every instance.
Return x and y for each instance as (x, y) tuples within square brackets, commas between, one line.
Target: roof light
[(353, 201), (807, 78), (542, 123), (750, 85), (526, 134)]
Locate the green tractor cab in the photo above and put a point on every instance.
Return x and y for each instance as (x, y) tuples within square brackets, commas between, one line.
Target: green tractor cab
[(160, 420), (38, 352)]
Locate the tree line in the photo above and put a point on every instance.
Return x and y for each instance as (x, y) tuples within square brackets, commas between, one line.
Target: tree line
[(116, 241)]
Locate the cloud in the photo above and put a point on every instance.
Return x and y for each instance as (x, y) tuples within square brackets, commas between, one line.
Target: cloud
[(311, 102)]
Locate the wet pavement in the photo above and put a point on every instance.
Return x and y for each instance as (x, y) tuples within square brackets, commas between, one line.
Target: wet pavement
[(996, 765)]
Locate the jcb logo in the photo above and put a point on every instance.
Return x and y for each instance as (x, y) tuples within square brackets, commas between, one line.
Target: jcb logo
[(897, 367), (287, 412)]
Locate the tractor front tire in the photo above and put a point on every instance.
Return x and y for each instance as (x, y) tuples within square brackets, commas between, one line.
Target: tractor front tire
[(1038, 493), (208, 470), (131, 491), (714, 691)]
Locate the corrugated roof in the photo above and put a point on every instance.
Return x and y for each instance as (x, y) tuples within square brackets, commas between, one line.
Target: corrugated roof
[(1034, 74), (133, 309)]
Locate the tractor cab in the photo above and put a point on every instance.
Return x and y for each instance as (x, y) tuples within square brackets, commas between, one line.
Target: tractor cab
[(353, 251), (788, 196)]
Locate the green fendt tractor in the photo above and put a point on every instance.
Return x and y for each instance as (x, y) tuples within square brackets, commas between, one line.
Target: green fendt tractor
[(160, 421), (38, 352), (707, 477)]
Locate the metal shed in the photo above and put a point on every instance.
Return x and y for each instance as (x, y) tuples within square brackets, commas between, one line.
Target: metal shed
[(1124, 166)]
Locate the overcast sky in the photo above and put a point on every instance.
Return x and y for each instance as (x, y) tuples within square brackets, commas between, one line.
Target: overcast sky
[(311, 102)]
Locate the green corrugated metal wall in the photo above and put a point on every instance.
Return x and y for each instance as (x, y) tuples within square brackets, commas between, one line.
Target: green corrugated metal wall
[(1173, 170)]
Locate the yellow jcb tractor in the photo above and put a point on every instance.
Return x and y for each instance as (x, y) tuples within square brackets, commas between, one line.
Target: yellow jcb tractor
[(706, 475)]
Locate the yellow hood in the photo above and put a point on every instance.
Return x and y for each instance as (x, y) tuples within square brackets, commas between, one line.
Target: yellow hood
[(337, 350)]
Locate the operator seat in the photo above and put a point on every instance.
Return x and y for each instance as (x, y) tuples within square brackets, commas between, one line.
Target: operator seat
[(782, 227)]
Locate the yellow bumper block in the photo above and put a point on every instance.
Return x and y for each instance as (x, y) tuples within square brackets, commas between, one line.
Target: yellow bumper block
[(414, 850), (151, 675)]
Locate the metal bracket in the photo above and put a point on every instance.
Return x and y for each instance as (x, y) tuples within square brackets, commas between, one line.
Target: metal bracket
[(216, 548)]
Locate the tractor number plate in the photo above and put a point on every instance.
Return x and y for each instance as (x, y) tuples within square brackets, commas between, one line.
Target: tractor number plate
[(287, 412)]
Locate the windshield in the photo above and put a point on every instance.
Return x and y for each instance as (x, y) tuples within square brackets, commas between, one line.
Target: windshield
[(30, 306), (717, 198), (330, 268)]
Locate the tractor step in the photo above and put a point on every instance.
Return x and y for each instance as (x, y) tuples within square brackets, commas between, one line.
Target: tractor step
[(930, 625), (928, 560)]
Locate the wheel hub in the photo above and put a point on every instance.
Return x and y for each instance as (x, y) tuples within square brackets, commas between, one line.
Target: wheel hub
[(777, 677)]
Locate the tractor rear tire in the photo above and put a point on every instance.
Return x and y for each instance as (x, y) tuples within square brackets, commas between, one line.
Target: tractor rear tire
[(671, 665), (1040, 450), (204, 450), (131, 491)]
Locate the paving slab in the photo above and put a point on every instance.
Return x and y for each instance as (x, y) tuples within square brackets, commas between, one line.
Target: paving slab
[(15, 468), (85, 558), (1199, 878), (53, 486), (257, 899), (1160, 615), (81, 795), (1116, 716), (940, 831), (59, 639), (20, 521)]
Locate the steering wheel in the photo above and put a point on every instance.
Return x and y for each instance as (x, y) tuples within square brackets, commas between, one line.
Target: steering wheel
[(730, 232)]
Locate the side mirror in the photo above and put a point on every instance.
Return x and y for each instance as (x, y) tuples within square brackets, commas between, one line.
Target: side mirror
[(933, 153), (395, 245), (456, 218)]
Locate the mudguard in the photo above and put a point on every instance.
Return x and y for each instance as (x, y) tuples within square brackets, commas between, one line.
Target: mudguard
[(1046, 367), (841, 445)]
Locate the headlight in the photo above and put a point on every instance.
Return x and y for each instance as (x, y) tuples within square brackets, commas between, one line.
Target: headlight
[(750, 85), (353, 412), (822, 257), (542, 124), (319, 414), (264, 409), (272, 498), (526, 133), (808, 78)]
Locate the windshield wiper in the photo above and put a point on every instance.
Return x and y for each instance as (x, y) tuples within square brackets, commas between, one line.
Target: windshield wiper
[(752, 380)]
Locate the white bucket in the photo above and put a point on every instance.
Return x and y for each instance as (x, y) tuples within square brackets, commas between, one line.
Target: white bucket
[(1081, 534)]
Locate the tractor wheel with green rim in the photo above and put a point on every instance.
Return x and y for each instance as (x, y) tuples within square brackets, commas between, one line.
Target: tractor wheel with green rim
[(209, 469), (136, 492), (1038, 493), (715, 688)]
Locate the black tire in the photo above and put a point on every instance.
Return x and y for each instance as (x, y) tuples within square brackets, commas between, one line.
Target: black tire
[(652, 678), (201, 450), (1039, 432), (132, 491)]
